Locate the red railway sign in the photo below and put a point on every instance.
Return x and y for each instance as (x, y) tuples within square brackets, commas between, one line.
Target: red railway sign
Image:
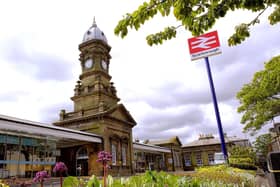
[(204, 45)]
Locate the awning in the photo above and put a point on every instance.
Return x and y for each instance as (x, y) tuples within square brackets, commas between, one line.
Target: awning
[(150, 148), (11, 124)]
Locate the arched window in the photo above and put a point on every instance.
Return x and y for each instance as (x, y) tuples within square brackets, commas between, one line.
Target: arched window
[(82, 153)]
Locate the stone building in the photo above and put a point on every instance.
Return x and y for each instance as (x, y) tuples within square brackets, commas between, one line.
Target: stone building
[(27, 147), (151, 157), (174, 160), (201, 152), (97, 110)]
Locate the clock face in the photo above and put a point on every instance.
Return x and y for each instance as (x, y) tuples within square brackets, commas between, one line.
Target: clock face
[(88, 63), (104, 64)]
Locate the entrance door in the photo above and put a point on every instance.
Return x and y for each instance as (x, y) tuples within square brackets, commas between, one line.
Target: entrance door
[(82, 162), (82, 167)]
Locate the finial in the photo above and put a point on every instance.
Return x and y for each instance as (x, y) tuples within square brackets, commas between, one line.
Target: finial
[(94, 22)]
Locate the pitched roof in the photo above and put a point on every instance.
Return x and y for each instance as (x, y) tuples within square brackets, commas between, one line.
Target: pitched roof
[(213, 141), (127, 114), (172, 140)]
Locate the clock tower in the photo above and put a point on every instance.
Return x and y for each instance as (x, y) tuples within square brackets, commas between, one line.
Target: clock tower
[(96, 106), (94, 89)]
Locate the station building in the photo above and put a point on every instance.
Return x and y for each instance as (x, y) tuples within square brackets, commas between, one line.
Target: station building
[(201, 152), (98, 122)]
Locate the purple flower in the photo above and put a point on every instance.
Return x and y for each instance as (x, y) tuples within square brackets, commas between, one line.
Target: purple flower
[(60, 167), (41, 176), (104, 157)]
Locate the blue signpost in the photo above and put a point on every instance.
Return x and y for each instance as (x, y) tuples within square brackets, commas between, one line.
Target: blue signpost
[(221, 133), (201, 47)]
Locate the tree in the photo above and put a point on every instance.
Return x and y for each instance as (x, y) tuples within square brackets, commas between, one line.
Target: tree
[(196, 16), (262, 143), (261, 146), (242, 157), (260, 99)]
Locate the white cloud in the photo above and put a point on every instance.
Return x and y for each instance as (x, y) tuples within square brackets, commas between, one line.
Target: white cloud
[(160, 86)]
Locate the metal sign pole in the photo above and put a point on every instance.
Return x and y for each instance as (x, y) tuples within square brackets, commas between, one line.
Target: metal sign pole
[(223, 145)]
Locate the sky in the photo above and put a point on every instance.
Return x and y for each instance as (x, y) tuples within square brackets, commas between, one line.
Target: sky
[(166, 93)]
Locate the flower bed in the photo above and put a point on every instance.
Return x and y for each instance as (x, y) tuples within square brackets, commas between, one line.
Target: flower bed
[(216, 176)]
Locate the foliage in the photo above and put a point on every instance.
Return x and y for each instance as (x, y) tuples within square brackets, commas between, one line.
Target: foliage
[(2, 184), (260, 99), (71, 181), (94, 182), (225, 175), (196, 16), (261, 144), (211, 176), (242, 157)]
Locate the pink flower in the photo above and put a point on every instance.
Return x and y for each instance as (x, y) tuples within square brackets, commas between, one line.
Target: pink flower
[(60, 167), (41, 176), (104, 157)]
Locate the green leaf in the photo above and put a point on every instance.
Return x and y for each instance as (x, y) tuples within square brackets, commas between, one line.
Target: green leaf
[(70, 181), (93, 181), (260, 99), (197, 16)]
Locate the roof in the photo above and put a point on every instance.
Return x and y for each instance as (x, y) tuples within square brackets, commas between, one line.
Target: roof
[(94, 33), (172, 140), (213, 141), (129, 119), (12, 124), (96, 114), (150, 148)]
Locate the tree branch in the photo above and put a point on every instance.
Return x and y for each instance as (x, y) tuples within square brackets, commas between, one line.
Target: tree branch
[(256, 19)]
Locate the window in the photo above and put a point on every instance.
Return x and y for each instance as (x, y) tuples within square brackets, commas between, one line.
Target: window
[(177, 160), (82, 153), (187, 158), (211, 158), (124, 148), (198, 159), (114, 154)]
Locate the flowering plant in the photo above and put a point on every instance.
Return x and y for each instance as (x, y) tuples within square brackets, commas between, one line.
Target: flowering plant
[(60, 167), (41, 176), (104, 157)]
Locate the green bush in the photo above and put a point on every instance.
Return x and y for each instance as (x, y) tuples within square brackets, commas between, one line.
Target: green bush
[(242, 163), (223, 174), (242, 157)]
